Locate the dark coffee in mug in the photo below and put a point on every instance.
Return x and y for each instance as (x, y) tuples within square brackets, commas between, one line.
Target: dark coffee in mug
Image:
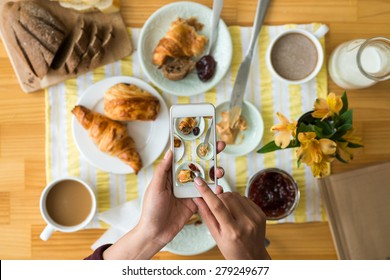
[(68, 203), (294, 56)]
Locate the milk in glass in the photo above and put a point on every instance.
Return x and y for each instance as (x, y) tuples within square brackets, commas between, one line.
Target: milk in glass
[(360, 63)]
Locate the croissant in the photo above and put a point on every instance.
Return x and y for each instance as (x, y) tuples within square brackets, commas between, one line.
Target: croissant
[(180, 40), (185, 176), (110, 136), (128, 102), (187, 125)]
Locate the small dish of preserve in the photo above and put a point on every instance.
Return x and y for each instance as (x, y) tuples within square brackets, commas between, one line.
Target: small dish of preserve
[(274, 191)]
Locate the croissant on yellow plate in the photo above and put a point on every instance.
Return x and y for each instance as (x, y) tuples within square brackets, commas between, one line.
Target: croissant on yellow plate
[(181, 40), (128, 102), (110, 136)]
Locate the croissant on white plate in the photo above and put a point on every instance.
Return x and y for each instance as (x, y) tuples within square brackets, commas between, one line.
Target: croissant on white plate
[(110, 136), (128, 102), (181, 40)]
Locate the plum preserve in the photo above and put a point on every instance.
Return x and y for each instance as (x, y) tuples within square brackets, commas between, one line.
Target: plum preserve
[(205, 68), (275, 191)]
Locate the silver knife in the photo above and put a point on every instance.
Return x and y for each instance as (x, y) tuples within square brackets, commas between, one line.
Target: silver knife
[(239, 87)]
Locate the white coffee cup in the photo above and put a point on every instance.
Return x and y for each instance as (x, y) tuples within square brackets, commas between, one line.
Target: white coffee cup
[(314, 38), (87, 194)]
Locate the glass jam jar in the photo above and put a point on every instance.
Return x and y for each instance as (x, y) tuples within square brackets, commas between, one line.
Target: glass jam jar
[(274, 191)]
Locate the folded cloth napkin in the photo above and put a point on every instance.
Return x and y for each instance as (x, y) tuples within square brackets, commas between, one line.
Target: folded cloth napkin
[(121, 219), (266, 93)]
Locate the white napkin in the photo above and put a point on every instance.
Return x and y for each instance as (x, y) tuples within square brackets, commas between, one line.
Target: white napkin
[(121, 220)]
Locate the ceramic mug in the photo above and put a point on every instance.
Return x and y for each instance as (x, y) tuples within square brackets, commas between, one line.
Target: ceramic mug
[(314, 39), (67, 205)]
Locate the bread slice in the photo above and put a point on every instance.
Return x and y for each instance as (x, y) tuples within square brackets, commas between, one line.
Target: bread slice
[(36, 56), (37, 33), (49, 36), (108, 35), (35, 10), (92, 52), (75, 44)]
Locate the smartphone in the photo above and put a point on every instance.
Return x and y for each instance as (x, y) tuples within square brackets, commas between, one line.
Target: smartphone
[(192, 155)]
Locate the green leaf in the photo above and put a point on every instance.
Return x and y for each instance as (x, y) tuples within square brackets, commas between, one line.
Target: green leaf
[(345, 118), (318, 131), (271, 147), (354, 145), (305, 128), (339, 158), (326, 127), (344, 98), (341, 131)]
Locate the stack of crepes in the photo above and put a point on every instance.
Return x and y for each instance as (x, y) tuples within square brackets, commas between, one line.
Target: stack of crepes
[(266, 93)]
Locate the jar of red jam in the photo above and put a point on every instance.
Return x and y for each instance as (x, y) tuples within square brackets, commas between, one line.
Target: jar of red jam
[(274, 191)]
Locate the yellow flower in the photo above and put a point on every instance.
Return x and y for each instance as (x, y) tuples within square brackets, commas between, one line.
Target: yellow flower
[(286, 129), (342, 147), (313, 151), (321, 168), (343, 151), (349, 137), (324, 108)]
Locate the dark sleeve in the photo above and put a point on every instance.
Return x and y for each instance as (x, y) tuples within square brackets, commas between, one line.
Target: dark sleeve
[(98, 253)]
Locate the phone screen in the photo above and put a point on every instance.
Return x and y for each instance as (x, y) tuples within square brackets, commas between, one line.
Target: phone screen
[(193, 156)]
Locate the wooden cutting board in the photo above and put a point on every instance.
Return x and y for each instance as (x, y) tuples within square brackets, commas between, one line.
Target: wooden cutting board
[(119, 47)]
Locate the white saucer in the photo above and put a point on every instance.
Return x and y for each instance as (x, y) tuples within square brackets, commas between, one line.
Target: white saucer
[(252, 136)]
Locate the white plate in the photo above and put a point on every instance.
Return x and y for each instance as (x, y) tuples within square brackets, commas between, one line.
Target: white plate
[(179, 152), (157, 26), (252, 136), (191, 136), (194, 239), (150, 136)]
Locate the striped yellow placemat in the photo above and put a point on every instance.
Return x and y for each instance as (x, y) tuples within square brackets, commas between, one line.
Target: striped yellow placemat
[(266, 93)]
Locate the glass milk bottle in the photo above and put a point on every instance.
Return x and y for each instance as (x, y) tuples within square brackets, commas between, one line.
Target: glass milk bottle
[(360, 63)]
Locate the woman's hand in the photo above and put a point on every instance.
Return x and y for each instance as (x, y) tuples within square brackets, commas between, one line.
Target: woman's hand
[(236, 223), (163, 216)]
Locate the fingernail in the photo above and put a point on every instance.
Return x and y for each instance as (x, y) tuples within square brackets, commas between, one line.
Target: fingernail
[(166, 153), (198, 181)]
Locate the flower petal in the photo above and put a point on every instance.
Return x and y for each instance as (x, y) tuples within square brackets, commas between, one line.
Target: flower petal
[(305, 137), (320, 169), (282, 118), (279, 127), (321, 108), (334, 102), (327, 146), (283, 139)]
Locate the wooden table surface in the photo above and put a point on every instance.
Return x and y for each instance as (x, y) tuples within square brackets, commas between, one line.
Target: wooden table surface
[(22, 133)]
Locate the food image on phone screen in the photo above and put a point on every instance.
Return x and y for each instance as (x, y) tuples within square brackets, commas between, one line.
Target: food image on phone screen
[(192, 154)]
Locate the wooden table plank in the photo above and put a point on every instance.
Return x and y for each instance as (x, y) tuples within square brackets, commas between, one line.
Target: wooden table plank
[(22, 132)]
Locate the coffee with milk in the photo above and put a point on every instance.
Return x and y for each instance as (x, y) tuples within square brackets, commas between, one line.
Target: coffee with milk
[(294, 56)]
